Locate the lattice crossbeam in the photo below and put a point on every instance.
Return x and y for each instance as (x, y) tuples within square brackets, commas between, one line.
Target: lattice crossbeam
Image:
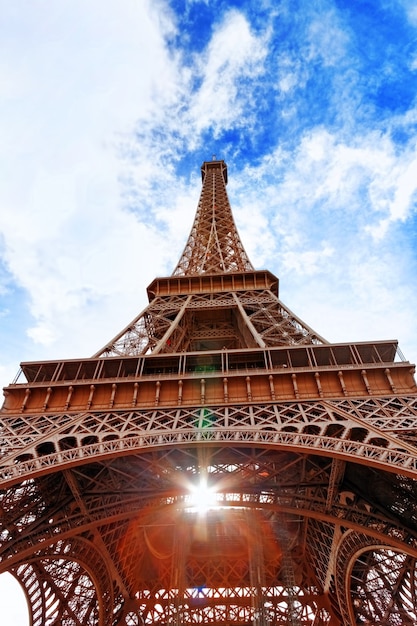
[(214, 245), (164, 319), (323, 426)]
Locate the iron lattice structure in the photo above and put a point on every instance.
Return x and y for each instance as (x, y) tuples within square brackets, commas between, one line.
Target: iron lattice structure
[(307, 451)]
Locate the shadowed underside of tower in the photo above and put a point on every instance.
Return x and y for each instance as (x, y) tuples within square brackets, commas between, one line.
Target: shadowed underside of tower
[(217, 462)]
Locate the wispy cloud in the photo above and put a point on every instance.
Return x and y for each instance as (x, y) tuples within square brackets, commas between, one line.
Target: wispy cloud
[(232, 61)]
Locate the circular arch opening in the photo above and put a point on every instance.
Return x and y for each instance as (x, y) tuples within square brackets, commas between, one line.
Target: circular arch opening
[(13, 605), (383, 588)]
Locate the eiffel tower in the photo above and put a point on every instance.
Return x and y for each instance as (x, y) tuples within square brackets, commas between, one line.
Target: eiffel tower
[(217, 462)]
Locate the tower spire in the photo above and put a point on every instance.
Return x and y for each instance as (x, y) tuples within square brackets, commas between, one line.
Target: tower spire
[(215, 298), (214, 245)]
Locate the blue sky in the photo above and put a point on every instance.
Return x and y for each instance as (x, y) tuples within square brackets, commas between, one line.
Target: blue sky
[(107, 111)]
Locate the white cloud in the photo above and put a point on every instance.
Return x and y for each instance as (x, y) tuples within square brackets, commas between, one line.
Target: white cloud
[(327, 38), (410, 10), (67, 238), (307, 262), (406, 186), (363, 174), (233, 55)]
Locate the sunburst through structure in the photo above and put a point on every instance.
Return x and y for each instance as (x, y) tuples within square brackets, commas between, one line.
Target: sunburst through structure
[(217, 462)]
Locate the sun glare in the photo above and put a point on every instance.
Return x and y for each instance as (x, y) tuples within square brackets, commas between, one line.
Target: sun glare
[(202, 498)]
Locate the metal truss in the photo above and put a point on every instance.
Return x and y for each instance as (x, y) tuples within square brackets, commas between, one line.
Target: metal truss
[(382, 582), (307, 452), (250, 318), (214, 245), (60, 591), (345, 429), (258, 490), (246, 319)]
